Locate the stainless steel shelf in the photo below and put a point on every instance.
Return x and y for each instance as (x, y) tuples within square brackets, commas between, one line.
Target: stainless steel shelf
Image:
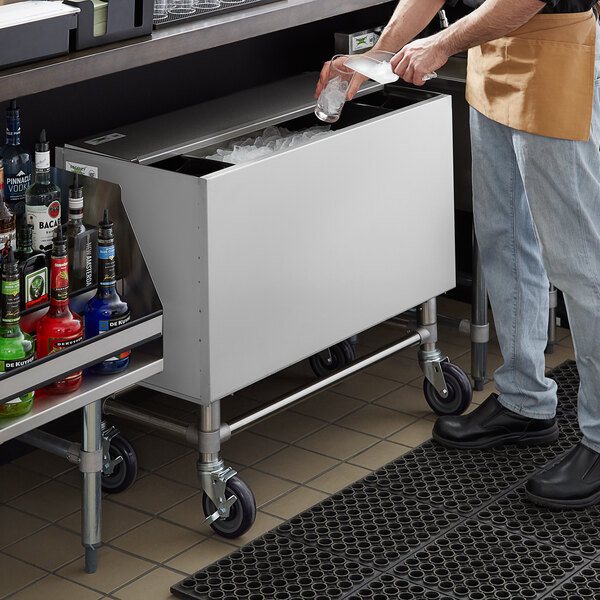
[(37, 375), (94, 387), (170, 42)]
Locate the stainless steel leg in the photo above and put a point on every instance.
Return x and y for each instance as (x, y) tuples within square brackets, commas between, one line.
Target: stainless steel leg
[(91, 501), (211, 470), (430, 358), (552, 320), (480, 329)]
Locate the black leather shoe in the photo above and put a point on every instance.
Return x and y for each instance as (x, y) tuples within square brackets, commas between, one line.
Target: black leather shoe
[(491, 425), (573, 482)]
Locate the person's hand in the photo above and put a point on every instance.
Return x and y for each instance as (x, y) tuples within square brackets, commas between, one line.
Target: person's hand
[(324, 77), (417, 59)]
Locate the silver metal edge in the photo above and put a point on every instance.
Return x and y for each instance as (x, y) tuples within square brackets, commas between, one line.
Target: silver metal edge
[(93, 388), (63, 364)]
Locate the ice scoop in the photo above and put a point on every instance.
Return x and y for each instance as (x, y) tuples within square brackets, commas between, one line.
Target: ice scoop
[(376, 66)]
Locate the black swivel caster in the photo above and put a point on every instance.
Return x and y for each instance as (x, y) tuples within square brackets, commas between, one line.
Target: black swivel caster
[(459, 392), (124, 472), (342, 354), (242, 512)]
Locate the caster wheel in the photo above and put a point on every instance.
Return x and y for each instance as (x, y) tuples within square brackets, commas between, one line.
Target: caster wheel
[(241, 514), (459, 392), (125, 472), (342, 354)]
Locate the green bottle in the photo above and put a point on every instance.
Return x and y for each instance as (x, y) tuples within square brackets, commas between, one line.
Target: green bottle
[(16, 348)]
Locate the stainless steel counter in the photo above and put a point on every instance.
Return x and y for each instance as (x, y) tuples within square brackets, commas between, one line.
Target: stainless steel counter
[(171, 42)]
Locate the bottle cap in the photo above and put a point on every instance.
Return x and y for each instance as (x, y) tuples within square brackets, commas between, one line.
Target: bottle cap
[(59, 244), (43, 145), (12, 110), (105, 231), (75, 194), (9, 263)]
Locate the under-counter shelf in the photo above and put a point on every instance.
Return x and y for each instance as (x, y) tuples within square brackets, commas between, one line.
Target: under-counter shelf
[(93, 388)]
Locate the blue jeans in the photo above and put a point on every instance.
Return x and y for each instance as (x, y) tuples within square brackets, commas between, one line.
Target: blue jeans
[(536, 206)]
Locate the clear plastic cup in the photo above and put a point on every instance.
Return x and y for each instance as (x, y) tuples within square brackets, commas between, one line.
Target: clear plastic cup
[(160, 10), (207, 4), (333, 95), (181, 7)]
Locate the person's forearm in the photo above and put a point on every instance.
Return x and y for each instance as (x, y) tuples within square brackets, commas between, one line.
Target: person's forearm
[(493, 19), (408, 20)]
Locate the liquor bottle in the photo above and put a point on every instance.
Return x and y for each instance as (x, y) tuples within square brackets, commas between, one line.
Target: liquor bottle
[(42, 199), (32, 269), (59, 328), (8, 235), (82, 241), (107, 310), (16, 348), (17, 163)]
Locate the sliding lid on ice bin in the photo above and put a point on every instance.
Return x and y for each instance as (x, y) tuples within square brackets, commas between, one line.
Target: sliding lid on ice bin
[(211, 122), (33, 30)]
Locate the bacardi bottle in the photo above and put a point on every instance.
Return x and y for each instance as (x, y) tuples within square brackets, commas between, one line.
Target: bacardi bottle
[(7, 221), (107, 310), (32, 269), (82, 241), (17, 163), (42, 199), (59, 328), (17, 349)]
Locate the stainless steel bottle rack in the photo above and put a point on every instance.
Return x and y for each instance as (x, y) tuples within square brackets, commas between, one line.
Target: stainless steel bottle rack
[(143, 334)]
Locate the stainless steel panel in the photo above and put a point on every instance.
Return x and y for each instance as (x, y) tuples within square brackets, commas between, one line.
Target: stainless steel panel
[(311, 246)]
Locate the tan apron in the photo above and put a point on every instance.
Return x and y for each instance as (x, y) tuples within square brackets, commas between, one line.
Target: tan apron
[(540, 78)]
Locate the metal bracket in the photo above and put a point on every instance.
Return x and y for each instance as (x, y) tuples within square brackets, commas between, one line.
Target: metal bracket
[(108, 465), (480, 334), (91, 462), (431, 362), (214, 484)]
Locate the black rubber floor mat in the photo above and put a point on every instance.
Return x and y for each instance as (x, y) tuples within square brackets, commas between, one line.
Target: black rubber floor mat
[(436, 524)]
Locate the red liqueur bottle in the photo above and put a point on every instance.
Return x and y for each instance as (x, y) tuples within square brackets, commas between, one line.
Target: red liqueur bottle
[(59, 328)]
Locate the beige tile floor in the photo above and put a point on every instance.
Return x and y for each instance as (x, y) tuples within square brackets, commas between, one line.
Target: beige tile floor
[(153, 533)]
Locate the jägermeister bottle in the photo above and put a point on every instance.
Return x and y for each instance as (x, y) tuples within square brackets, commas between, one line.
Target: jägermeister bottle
[(16, 348)]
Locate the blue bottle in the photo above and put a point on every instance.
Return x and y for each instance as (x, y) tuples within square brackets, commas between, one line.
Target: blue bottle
[(107, 310), (17, 164)]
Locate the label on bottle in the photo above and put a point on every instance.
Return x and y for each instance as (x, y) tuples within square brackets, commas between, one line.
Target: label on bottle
[(45, 220), (108, 274), (16, 186), (6, 240), (58, 344), (10, 302), (110, 325), (59, 284), (42, 161), (89, 261), (36, 287), (9, 365)]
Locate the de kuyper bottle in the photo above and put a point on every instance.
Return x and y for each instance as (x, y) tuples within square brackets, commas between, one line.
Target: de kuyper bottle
[(17, 349), (107, 310)]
